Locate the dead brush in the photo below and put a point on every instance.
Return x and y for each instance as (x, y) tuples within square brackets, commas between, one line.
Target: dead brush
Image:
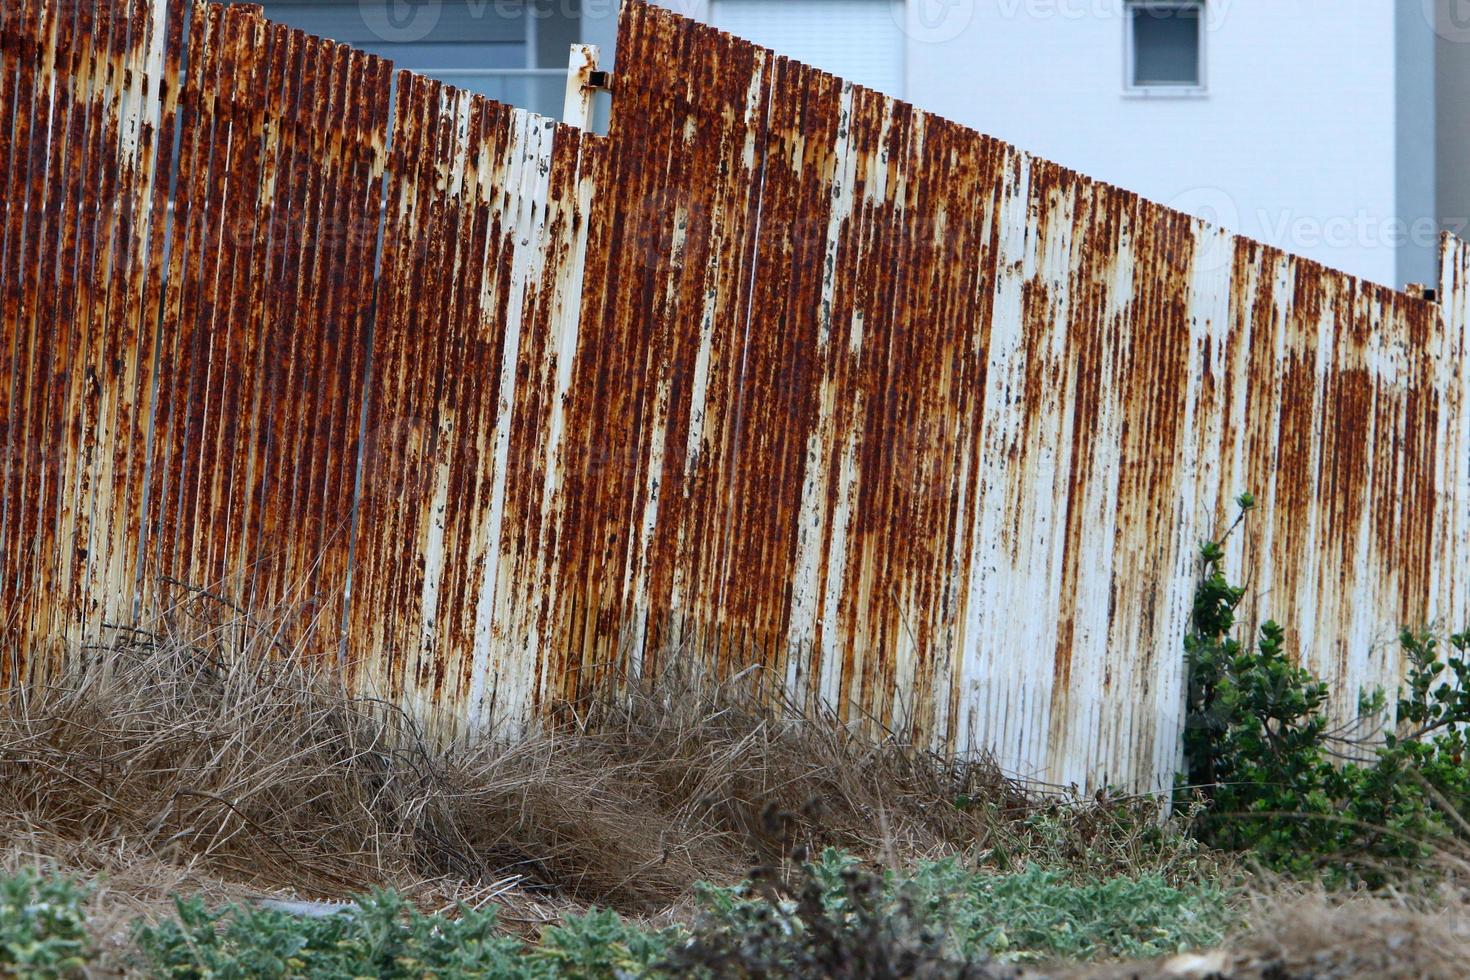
[(194, 750), (1301, 931), (768, 781)]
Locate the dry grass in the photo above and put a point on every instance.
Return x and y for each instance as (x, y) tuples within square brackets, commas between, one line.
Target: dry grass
[(1296, 932), (264, 777), (158, 770)]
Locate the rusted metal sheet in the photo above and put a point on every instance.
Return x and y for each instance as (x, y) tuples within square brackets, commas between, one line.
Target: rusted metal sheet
[(983, 413), (657, 403), (478, 318), (283, 139), (83, 109), (781, 373)]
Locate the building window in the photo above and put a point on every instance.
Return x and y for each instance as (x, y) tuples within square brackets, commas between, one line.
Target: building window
[(1165, 47), (859, 40)]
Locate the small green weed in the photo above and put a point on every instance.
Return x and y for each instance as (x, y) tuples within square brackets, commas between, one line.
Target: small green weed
[(42, 927), (1040, 913), (382, 936), (945, 919)]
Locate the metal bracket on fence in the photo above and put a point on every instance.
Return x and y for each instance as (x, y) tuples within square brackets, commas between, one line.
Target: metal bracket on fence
[(583, 79), (1420, 291)]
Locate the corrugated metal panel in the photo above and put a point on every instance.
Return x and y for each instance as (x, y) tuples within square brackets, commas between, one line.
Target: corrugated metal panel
[(783, 372), (85, 128), (266, 321), (477, 323), (985, 410)]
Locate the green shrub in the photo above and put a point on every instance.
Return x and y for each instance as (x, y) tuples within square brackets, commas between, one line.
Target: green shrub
[(943, 920), (382, 936), (379, 937), (1284, 787), (841, 923), (1042, 913), (42, 927), (600, 945)]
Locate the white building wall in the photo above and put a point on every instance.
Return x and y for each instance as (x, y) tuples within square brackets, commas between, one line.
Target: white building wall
[(1294, 142)]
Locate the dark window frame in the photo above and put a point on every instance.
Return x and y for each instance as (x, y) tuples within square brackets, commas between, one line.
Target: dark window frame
[(1132, 11)]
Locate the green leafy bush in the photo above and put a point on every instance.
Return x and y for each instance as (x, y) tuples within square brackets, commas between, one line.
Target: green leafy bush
[(842, 923), (943, 920), (42, 926), (1040, 913), (1295, 793), (382, 936), (600, 944)]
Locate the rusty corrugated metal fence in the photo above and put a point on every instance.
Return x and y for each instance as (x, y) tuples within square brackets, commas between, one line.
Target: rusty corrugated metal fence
[(781, 371)]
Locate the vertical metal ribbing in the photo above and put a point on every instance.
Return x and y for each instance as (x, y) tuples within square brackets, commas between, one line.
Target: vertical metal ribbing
[(124, 367), (253, 319), (83, 53), (261, 539), (184, 233), (311, 601), (28, 77), (538, 447), (465, 462), (783, 373), (776, 401), (210, 254), (418, 422), (305, 334), (13, 104), (440, 389), (94, 348), (86, 51), (359, 232), (650, 212), (36, 460), (137, 529), (591, 550), (229, 327), (382, 453), (284, 587), (378, 621)]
